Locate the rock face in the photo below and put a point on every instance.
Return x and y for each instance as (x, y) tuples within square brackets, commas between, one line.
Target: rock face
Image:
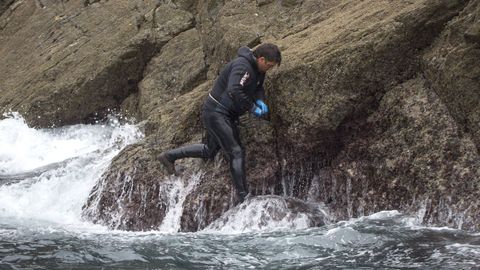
[(4, 5), (449, 66), (375, 105), (66, 61)]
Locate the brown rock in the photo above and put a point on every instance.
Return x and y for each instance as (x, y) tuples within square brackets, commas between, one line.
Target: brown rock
[(411, 155), (374, 107), (329, 139), (4, 5), (451, 66), (66, 62)]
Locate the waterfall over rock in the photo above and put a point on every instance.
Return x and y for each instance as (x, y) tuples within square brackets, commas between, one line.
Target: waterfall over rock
[(265, 213)]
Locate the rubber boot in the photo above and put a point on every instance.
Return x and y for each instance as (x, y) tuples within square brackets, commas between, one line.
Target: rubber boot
[(167, 164), (242, 196), (167, 158)]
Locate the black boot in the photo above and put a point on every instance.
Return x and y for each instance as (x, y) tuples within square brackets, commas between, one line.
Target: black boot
[(242, 196), (168, 158), (167, 164)]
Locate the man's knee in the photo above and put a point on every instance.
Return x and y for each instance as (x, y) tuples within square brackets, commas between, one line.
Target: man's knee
[(209, 153), (236, 152)]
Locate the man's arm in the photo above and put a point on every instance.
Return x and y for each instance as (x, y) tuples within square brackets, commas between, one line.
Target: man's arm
[(238, 80)]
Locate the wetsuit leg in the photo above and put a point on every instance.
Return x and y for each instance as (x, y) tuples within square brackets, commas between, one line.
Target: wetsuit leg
[(206, 150), (221, 132), (198, 150), (226, 132)]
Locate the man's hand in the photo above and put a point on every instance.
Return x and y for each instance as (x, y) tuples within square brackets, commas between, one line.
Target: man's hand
[(257, 111), (260, 109), (262, 106)]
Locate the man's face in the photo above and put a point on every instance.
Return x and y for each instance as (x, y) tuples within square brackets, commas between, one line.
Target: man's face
[(264, 65)]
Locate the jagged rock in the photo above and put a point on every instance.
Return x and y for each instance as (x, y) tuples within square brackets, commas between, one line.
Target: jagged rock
[(336, 69), (214, 195), (171, 20), (227, 26), (9, 178), (131, 194)]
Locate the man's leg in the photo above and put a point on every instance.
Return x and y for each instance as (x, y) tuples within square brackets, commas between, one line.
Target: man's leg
[(206, 150), (227, 134)]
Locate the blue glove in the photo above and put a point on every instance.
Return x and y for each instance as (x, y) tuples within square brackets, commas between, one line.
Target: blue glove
[(262, 106), (257, 111)]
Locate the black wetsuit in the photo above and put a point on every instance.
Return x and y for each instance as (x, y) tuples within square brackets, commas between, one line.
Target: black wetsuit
[(240, 83)]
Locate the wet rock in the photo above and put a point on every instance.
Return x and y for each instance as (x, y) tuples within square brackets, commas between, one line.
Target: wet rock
[(374, 106), (132, 194), (326, 108), (412, 155), (129, 197), (9, 178), (269, 212)]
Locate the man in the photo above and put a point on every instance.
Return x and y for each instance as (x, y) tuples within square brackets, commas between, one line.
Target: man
[(238, 89)]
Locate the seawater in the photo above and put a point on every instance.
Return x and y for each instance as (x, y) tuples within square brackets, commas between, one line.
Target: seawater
[(41, 225)]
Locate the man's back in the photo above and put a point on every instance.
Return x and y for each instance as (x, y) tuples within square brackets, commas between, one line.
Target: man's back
[(236, 87)]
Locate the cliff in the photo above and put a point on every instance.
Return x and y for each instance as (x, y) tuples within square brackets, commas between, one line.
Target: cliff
[(375, 105)]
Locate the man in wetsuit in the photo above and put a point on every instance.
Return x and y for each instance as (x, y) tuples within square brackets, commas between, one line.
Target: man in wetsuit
[(238, 89)]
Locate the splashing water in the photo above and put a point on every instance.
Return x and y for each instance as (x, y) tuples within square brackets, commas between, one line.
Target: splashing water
[(177, 193), (41, 228), (58, 194), (263, 213)]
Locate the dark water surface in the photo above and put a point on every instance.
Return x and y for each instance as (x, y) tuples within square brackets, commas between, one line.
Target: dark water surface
[(386, 240)]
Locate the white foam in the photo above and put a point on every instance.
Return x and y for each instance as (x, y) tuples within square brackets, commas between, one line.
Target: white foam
[(259, 214), (465, 249), (376, 216), (57, 195), (383, 215), (177, 191)]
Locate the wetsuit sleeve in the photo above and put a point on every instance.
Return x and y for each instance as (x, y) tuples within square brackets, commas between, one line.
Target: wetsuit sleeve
[(238, 80)]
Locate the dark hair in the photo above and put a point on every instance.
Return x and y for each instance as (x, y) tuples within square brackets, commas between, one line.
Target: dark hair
[(270, 51)]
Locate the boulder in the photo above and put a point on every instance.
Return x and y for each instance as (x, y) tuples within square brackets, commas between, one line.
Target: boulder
[(129, 195)]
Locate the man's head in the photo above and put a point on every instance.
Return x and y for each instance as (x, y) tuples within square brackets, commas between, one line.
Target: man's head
[(268, 55)]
